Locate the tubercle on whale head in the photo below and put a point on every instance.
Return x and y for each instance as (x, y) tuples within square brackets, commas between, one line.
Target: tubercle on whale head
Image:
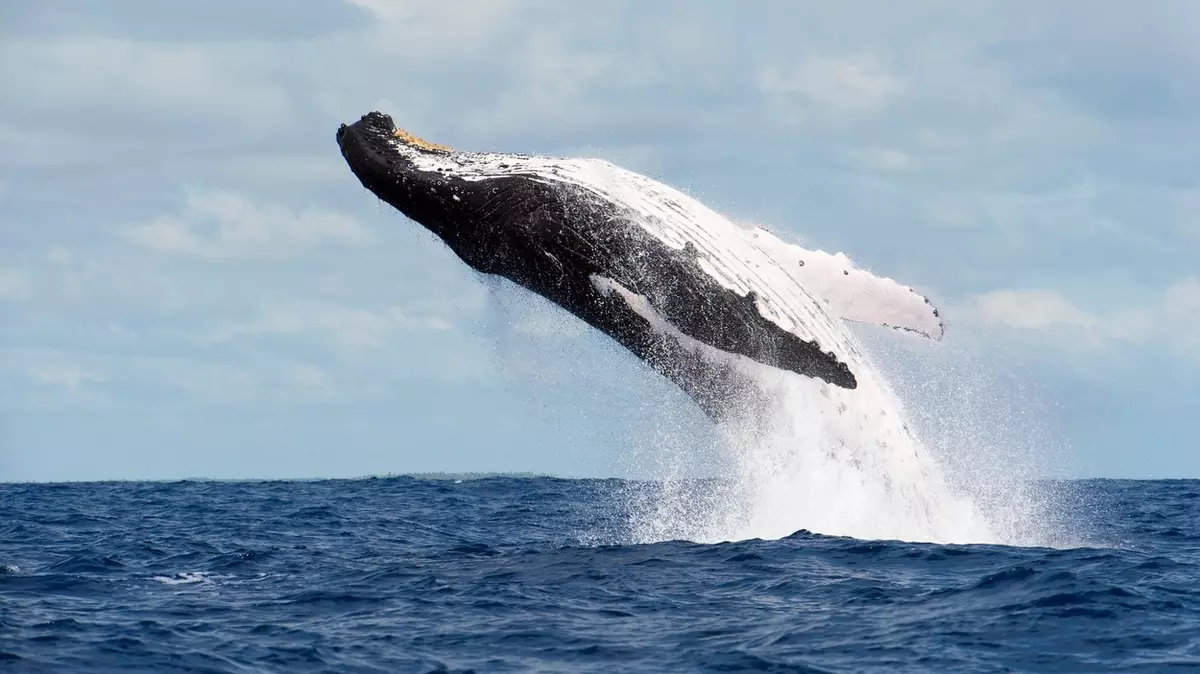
[(418, 143), (381, 127)]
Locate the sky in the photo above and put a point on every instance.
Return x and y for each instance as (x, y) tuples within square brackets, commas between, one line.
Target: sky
[(192, 283)]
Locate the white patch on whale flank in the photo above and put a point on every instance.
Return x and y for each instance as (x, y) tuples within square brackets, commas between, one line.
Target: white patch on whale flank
[(642, 307)]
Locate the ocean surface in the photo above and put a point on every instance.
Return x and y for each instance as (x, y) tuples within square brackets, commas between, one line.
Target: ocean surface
[(538, 574)]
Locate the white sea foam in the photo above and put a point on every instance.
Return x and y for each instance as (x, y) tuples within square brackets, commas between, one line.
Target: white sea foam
[(184, 578)]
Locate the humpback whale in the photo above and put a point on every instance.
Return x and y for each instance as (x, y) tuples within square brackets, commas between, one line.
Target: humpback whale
[(683, 288)]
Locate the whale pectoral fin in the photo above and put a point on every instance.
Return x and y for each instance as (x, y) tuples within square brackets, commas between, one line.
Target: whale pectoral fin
[(678, 295), (851, 293)]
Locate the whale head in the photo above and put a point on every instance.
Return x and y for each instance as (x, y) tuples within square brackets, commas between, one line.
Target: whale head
[(485, 217), (386, 160)]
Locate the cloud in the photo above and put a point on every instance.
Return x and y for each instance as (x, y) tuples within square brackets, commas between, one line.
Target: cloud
[(1170, 320), (14, 285), (347, 327), (1182, 300), (1030, 309), (225, 225), (836, 87), (97, 283), (64, 376), (199, 22), (430, 18), (255, 375), (1181, 317), (72, 378), (887, 160), (170, 86), (1184, 209), (32, 377)]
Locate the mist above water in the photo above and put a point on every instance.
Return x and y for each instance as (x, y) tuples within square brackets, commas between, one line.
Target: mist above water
[(845, 463)]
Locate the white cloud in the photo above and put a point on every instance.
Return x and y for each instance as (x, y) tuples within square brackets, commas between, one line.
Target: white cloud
[(309, 376), (14, 285), (432, 33), (1184, 209), (837, 87), (1183, 300), (51, 378), (1029, 309), (166, 235), (887, 160), (89, 285), (1171, 319), (166, 82), (224, 225), (347, 327), (550, 77), (41, 376), (438, 20), (63, 376), (1181, 317)]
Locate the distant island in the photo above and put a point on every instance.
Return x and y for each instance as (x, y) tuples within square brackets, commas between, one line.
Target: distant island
[(468, 476), (385, 476)]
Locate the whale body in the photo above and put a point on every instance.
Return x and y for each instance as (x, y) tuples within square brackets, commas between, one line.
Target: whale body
[(683, 288)]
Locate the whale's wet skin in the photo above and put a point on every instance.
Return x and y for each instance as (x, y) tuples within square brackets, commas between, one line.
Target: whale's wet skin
[(751, 327)]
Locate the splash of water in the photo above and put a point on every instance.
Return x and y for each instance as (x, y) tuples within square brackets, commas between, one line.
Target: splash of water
[(826, 459), (823, 459), (846, 463)]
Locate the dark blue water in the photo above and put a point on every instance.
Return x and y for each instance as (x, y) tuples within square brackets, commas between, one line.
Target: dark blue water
[(400, 575)]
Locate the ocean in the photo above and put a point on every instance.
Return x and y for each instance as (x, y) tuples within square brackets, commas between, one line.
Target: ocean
[(529, 574)]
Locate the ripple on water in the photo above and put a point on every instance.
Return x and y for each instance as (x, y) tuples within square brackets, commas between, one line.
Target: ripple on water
[(406, 575)]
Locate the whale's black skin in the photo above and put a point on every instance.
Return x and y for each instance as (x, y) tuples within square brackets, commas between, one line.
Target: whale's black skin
[(551, 239)]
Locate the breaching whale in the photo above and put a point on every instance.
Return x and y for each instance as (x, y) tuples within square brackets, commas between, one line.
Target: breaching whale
[(683, 288)]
